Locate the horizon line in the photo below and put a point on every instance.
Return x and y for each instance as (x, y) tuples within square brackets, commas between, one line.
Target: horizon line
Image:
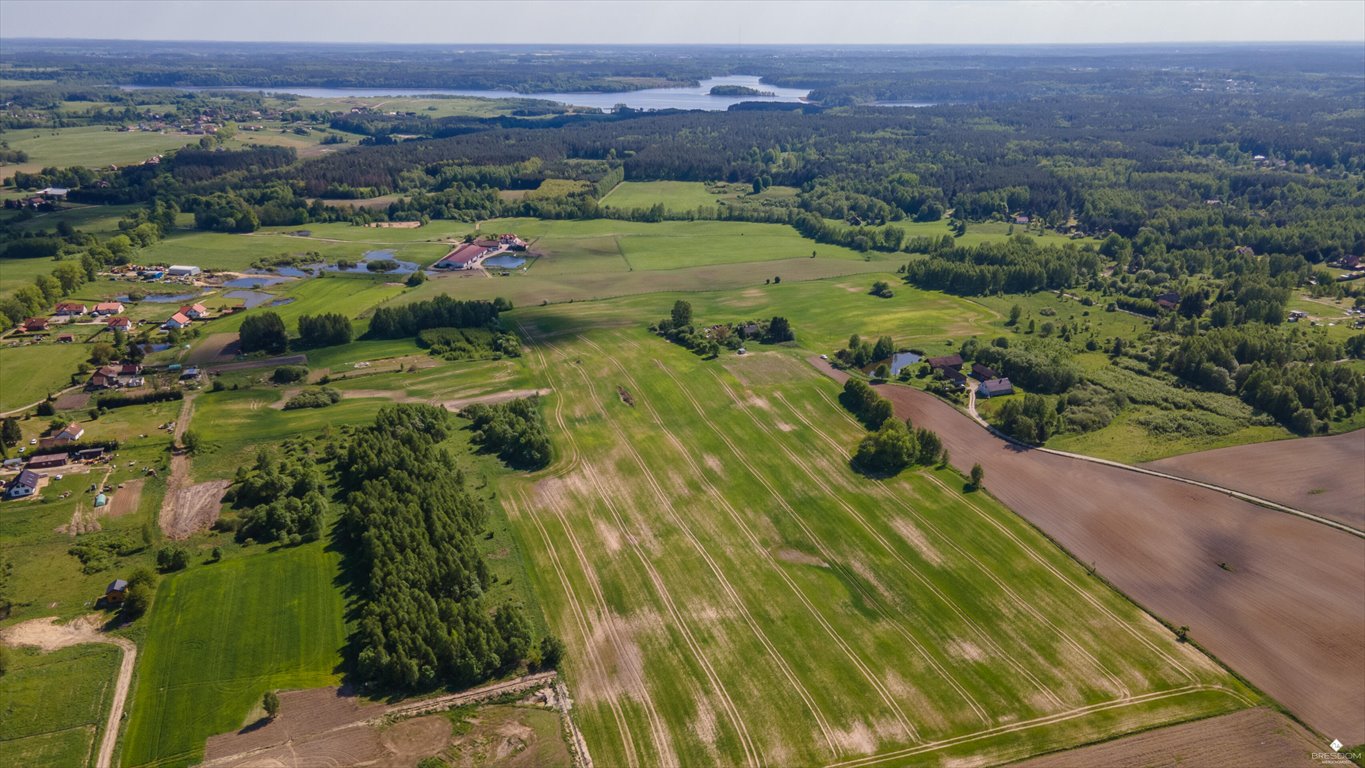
[(1066, 44)]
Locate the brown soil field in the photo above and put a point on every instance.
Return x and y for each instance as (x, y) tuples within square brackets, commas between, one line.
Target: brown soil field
[(1252, 738), (216, 347), (190, 509), (125, 500), (1322, 475), (1287, 610), (72, 401), (272, 362)]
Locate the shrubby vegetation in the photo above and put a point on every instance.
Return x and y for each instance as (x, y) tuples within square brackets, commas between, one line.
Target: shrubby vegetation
[(514, 430), (281, 497), (440, 312), (313, 398), (139, 398), (710, 340), (468, 343)]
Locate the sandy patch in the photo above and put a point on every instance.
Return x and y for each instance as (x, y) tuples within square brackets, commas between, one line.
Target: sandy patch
[(857, 739), (800, 558), (191, 509), (966, 650)]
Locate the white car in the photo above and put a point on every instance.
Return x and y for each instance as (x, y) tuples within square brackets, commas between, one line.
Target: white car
[(824, 357), (56, 477), (23, 448), (33, 441)]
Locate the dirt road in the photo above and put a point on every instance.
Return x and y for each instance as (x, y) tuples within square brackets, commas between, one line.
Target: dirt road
[(186, 508), (48, 635), (1276, 597)]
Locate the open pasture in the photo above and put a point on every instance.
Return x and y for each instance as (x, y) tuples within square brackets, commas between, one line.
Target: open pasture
[(34, 371), (221, 635), (220, 251), (91, 146), (732, 593), (55, 704)]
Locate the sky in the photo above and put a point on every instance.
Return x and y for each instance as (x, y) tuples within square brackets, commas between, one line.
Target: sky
[(747, 22)]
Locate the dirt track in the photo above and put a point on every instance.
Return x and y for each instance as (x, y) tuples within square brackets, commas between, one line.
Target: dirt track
[(188, 509), (49, 636), (1286, 612), (1250, 737), (1322, 475)]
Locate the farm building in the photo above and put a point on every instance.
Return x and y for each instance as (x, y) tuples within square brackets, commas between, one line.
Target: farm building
[(105, 377), (107, 308), (982, 373), (466, 256), (34, 324), (954, 375), (66, 338), (183, 270), (69, 309), (195, 311), (177, 321), (995, 388), (1169, 300), (47, 461), (116, 591), (89, 454), (54, 193), (946, 363), (189, 374), (26, 484)]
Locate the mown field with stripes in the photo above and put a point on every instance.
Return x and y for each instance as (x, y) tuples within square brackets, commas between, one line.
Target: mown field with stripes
[(732, 593)]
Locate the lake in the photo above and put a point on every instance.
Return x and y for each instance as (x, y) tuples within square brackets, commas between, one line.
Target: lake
[(691, 97)]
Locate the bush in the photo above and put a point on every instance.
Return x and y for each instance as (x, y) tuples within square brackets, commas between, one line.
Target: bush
[(155, 396), (514, 430), (287, 374), (172, 557), (313, 398)]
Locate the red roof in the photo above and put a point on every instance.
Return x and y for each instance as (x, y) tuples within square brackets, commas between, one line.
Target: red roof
[(36, 324), (179, 318), (119, 322)]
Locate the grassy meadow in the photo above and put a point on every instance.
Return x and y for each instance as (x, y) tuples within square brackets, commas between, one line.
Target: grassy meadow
[(724, 604), (55, 704), (219, 636)]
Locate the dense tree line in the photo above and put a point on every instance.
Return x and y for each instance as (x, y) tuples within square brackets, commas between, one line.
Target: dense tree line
[(410, 526), (279, 498), (514, 430), (440, 312), (325, 330)]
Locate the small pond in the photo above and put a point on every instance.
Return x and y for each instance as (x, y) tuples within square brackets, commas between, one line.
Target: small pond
[(404, 267), (504, 261), (902, 359)]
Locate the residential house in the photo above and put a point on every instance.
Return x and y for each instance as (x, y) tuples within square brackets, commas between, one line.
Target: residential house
[(195, 311), (105, 377), (512, 241), (177, 321), (70, 433), (955, 376), (26, 484), (69, 309), (995, 388), (1022, 221), (36, 324), (119, 324), (107, 308)]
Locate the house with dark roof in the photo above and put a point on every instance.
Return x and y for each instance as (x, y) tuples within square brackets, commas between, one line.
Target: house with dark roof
[(36, 324), (119, 324), (994, 388), (1168, 300), (982, 373), (105, 377), (88, 454), (954, 375), (26, 484)]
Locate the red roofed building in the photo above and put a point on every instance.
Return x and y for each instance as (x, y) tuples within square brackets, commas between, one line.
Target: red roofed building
[(195, 311), (119, 324), (70, 309), (107, 308), (178, 320), (36, 324)]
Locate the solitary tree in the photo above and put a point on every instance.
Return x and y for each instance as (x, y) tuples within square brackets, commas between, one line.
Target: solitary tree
[(1016, 312), (978, 474), (682, 314), (271, 703), (193, 443), (10, 434)]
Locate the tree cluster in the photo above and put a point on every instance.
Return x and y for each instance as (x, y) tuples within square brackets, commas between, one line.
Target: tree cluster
[(514, 430)]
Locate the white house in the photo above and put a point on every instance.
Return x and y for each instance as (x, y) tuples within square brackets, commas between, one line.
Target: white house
[(177, 321), (70, 433), (26, 484)]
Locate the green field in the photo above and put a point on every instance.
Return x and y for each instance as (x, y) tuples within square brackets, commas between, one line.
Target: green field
[(213, 250), (221, 635), (55, 704), (730, 591), (34, 371), (89, 146)]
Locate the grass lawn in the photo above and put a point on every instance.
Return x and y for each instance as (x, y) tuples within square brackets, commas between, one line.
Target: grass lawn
[(55, 704), (219, 636), (216, 250), (17, 272), (351, 295), (727, 586)]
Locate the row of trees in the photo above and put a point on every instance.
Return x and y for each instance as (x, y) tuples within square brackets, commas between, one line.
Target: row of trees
[(440, 312)]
